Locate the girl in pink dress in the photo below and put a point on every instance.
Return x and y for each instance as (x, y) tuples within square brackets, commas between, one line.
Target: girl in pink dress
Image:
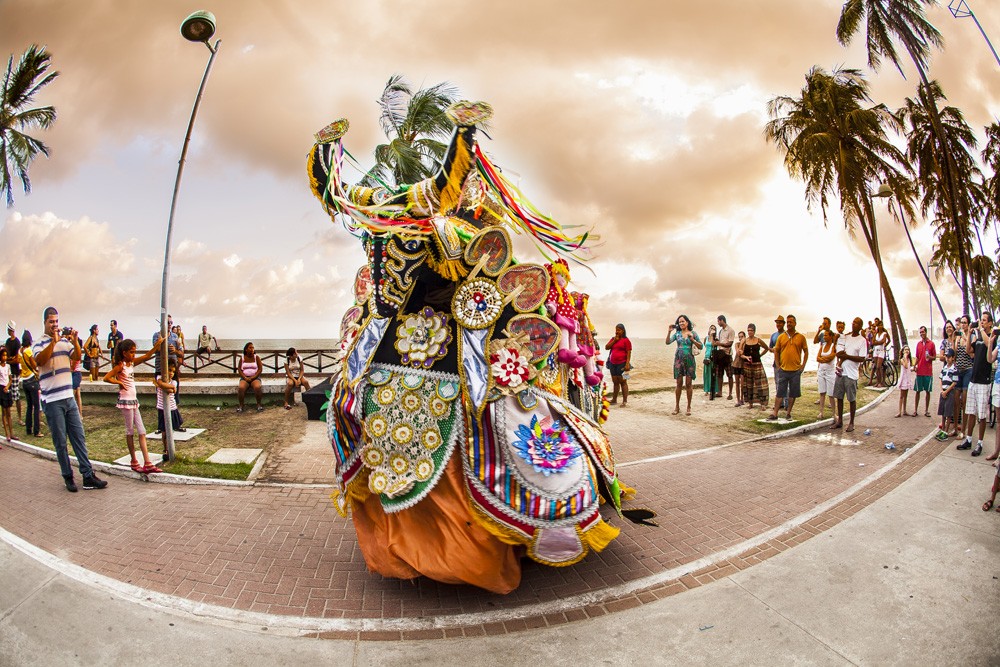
[(123, 375), (907, 376)]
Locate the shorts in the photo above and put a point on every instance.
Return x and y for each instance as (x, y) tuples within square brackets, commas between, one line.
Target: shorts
[(878, 352), (924, 383), (6, 400), (787, 384), (77, 379), (995, 398), (977, 400), (203, 350), (965, 379), (722, 363), (826, 376), (615, 370), (946, 404), (15, 388), (845, 387)]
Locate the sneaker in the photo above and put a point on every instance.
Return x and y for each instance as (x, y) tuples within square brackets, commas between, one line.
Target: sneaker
[(92, 482), (978, 450), (70, 485), (966, 444)]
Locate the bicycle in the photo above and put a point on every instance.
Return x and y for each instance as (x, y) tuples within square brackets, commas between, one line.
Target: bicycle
[(891, 371)]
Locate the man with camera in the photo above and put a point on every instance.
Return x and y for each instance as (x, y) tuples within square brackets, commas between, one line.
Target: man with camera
[(54, 355), (979, 343)]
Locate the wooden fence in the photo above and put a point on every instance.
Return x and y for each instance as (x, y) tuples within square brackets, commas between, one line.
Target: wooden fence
[(223, 363)]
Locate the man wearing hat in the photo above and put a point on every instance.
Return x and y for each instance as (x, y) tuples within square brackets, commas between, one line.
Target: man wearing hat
[(13, 345), (779, 324)]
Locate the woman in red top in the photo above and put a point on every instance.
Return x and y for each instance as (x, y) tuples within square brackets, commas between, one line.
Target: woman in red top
[(619, 362)]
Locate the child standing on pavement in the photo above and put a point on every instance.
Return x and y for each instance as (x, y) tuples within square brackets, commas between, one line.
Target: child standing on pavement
[(122, 373), (6, 398), (946, 404), (906, 377), (166, 390)]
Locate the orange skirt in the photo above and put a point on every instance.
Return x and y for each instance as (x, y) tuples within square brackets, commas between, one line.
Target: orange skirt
[(437, 538)]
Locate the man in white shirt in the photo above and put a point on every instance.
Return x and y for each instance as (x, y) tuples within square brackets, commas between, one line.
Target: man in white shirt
[(54, 355), (852, 350), (723, 355)]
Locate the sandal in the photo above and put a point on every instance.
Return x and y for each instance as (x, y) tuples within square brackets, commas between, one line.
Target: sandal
[(988, 505), (150, 468), (136, 467)]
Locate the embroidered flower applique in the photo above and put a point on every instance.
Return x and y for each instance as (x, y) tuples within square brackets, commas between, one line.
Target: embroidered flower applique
[(423, 338), (549, 449), (510, 369), (510, 365)]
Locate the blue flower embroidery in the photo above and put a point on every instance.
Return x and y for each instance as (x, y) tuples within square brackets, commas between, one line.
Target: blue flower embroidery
[(548, 449)]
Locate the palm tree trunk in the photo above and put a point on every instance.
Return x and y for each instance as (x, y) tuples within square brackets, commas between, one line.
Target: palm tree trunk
[(866, 217)]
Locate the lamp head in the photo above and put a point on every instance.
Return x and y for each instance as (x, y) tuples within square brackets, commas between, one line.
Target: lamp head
[(199, 26), (884, 190)]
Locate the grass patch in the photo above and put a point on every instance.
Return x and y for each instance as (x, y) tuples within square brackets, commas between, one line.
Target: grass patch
[(266, 430), (805, 411)]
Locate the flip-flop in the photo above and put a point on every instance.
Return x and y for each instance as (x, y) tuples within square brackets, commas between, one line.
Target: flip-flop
[(988, 505), (848, 429)]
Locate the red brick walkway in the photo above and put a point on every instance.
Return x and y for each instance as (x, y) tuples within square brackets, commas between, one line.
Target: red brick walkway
[(284, 550)]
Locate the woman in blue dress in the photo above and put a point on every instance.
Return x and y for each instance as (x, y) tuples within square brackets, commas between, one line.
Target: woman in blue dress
[(687, 340), (709, 366)]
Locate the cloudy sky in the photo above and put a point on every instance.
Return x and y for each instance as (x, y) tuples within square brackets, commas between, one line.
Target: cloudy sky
[(642, 120)]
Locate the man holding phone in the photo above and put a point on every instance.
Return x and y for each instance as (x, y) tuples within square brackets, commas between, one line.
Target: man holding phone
[(54, 355)]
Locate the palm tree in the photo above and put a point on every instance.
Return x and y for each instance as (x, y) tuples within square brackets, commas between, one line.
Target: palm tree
[(17, 149), (837, 145), (925, 147), (991, 158), (888, 21), (417, 129)]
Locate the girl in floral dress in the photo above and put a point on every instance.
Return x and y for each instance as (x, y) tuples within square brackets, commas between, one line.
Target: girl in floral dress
[(687, 340), (906, 378)]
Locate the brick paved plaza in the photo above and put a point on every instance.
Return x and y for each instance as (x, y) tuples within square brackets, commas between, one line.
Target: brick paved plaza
[(279, 547)]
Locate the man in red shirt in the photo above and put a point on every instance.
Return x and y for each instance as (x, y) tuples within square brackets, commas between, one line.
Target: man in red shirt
[(925, 378)]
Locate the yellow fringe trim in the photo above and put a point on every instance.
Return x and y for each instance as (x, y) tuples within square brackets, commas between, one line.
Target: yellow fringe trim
[(356, 490), (596, 538), (449, 269), (451, 194)]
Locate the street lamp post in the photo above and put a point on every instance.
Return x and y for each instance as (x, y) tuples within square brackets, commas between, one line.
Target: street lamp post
[(198, 27)]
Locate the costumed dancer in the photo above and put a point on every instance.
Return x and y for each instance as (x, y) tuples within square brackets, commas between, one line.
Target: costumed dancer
[(452, 457)]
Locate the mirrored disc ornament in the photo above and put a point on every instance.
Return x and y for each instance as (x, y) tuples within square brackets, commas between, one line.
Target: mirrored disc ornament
[(477, 304)]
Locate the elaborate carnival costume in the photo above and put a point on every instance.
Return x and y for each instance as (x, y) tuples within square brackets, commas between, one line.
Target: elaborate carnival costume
[(461, 441)]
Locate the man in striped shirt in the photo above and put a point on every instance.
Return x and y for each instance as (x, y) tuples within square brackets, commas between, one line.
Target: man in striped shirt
[(53, 355)]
